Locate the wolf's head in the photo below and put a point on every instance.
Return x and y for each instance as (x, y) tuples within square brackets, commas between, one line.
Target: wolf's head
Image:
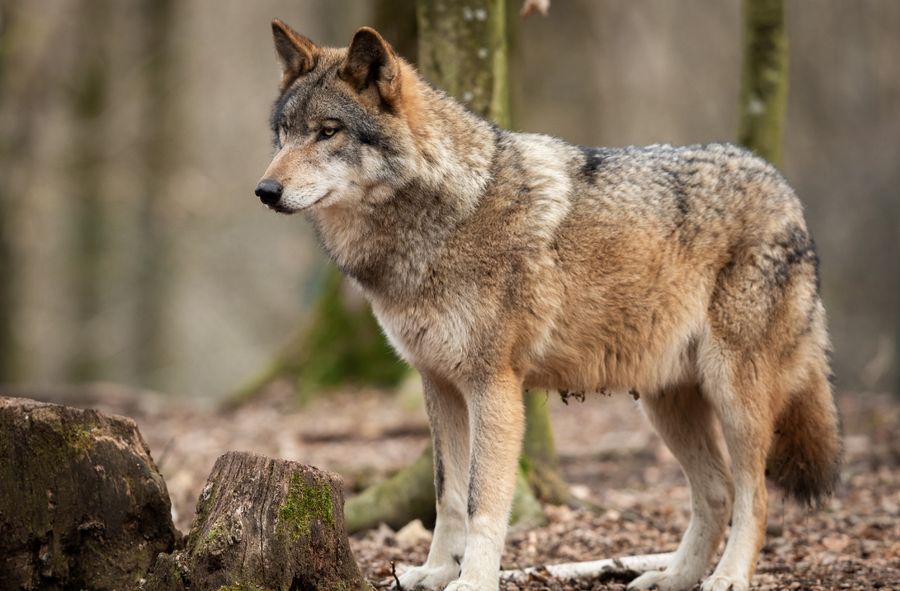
[(342, 126)]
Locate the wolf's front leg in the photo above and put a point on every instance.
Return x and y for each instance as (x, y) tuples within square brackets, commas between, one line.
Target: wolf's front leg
[(449, 420), (496, 425)]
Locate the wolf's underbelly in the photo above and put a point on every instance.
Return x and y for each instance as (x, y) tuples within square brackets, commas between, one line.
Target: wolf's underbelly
[(601, 368)]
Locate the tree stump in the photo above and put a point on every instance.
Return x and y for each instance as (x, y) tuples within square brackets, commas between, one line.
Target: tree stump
[(82, 505), (263, 524)]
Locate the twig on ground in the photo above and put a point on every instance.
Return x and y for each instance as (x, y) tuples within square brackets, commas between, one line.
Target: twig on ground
[(394, 574), (592, 569)]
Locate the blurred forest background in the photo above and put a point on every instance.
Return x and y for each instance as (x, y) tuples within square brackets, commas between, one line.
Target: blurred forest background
[(132, 134)]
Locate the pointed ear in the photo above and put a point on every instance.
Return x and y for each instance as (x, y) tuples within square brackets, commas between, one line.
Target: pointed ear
[(296, 53), (372, 65)]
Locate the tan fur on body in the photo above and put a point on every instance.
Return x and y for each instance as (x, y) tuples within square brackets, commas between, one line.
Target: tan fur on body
[(496, 261)]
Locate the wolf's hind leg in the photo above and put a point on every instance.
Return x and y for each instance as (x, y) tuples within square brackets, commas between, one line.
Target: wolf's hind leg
[(743, 409), (448, 416), (686, 423)]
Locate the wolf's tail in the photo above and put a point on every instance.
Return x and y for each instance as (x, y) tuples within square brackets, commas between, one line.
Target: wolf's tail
[(805, 458)]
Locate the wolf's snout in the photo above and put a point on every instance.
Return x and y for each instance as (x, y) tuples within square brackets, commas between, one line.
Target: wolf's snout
[(269, 191)]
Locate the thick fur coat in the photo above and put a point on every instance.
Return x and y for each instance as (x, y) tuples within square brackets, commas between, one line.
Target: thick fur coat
[(497, 261)]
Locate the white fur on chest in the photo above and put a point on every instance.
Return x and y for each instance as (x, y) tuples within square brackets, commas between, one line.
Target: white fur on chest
[(428, 337)]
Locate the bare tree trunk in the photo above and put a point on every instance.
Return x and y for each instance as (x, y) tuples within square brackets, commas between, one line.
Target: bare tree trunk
[(24, 93), (341, 344), (396, 21), (263, 524), (8, 289), (88, 102), (407, 495), (896, 213), (8, 296), (764, 85), (463, 49), (539, 458), (154, 272)]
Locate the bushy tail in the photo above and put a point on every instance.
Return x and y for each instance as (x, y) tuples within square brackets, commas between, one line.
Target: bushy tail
[(806, 455)]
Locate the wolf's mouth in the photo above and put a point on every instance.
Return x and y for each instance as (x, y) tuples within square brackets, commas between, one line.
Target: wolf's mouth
[(278, 208)]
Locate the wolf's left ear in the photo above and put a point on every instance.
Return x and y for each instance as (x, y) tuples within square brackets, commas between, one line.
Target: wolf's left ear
[(296, 53), (372, 65)]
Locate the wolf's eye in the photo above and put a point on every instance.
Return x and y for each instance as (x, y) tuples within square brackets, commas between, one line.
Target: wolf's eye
[(327, 132)]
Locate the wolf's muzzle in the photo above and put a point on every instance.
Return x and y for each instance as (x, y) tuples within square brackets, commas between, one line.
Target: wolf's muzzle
[(269, 191)]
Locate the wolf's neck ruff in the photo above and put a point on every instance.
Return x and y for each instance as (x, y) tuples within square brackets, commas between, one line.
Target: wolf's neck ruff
[(387, 243)]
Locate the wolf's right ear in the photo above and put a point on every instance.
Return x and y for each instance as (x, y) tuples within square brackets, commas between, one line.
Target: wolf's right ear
[(372, 66), (296, 53)]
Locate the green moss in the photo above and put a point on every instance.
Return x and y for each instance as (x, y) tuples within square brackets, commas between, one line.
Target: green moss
[(80, 438), (214, 534), (303, 504), (205, 502), (241, 587), (407, 495), (221, 535), (524, 465)]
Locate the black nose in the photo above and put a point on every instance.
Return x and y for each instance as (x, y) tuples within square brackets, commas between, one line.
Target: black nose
[(269, 191)]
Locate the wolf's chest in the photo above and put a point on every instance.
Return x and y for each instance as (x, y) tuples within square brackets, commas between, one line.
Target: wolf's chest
[(427, 336)]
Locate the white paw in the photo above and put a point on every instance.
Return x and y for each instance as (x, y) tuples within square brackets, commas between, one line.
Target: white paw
[(428, 577), (725, 583), (664, 581)]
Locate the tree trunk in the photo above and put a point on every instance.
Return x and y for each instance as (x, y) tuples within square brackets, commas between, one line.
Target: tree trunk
[(263, 524), (462, 49), (396, 21), (88, 103), (24, 93), (539, 459), (8, 286), (82, 505), (153, 270), (764, 85), (342, 344), (407, 495)]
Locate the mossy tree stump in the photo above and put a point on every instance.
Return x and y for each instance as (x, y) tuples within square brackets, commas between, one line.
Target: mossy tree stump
[(82, 505), (263, 524)]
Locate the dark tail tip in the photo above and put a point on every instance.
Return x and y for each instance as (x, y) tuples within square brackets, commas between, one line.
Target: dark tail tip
[(808, 480), (806, 456)]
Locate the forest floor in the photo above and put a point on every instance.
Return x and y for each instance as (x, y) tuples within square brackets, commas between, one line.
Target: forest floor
[(609, 455)]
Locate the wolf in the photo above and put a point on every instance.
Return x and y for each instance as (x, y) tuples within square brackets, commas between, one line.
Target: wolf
[(497, 261)]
